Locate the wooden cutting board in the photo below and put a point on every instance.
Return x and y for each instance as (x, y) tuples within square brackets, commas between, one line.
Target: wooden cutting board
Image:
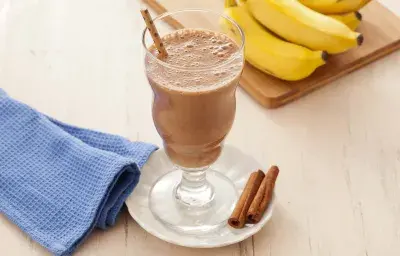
[(380, 27)]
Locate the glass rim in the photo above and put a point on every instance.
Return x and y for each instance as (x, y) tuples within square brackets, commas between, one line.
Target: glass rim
[(166, 14)]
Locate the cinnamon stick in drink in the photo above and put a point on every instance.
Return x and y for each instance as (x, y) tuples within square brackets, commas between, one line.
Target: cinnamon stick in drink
[(238, 217), (153, 32), (263, 196)]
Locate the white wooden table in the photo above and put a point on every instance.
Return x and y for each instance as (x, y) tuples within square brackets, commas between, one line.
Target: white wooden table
[(338, 148)]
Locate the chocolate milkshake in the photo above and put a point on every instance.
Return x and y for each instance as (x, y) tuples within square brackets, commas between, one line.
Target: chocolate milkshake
[(194, 104)]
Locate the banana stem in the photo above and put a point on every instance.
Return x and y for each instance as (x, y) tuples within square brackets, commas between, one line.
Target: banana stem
[(230, 3)]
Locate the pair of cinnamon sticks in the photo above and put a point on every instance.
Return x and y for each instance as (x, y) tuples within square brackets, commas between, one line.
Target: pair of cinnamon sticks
[(255, 198)]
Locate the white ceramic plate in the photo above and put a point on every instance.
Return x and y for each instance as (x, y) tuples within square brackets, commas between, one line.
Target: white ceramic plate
[(236, 165)]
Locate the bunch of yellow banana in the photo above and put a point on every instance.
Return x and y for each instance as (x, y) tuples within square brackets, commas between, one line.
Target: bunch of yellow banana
[(289, 39)]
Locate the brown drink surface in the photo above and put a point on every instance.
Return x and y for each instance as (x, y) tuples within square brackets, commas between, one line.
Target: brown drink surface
[(194, 105)]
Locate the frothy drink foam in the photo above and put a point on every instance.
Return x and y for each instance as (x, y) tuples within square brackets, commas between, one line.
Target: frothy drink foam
[(194, 87)]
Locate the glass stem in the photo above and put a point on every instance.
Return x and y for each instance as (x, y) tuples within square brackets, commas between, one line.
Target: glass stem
[(194, 188)]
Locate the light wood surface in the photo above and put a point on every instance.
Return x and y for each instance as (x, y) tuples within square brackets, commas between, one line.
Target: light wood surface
[(381, 30), (338, 149)]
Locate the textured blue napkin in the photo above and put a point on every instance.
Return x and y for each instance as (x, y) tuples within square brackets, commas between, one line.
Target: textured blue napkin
[(58, 182)]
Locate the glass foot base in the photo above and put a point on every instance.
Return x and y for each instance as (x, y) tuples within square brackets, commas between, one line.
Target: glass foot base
[(191, 219)]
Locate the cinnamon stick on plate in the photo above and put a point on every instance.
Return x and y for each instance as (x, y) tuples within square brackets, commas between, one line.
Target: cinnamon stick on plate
[(238, 217), (263, 196)]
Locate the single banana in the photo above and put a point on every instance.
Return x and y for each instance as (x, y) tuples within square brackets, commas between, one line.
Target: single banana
[(352, 19), (268, 53), (301, 25), (321, 1), (338, 6)]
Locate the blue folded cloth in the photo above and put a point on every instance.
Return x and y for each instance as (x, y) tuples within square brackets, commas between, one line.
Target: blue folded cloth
[(59, 182)]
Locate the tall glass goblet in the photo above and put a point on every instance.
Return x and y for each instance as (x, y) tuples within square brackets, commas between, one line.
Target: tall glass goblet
[(193, 110)]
